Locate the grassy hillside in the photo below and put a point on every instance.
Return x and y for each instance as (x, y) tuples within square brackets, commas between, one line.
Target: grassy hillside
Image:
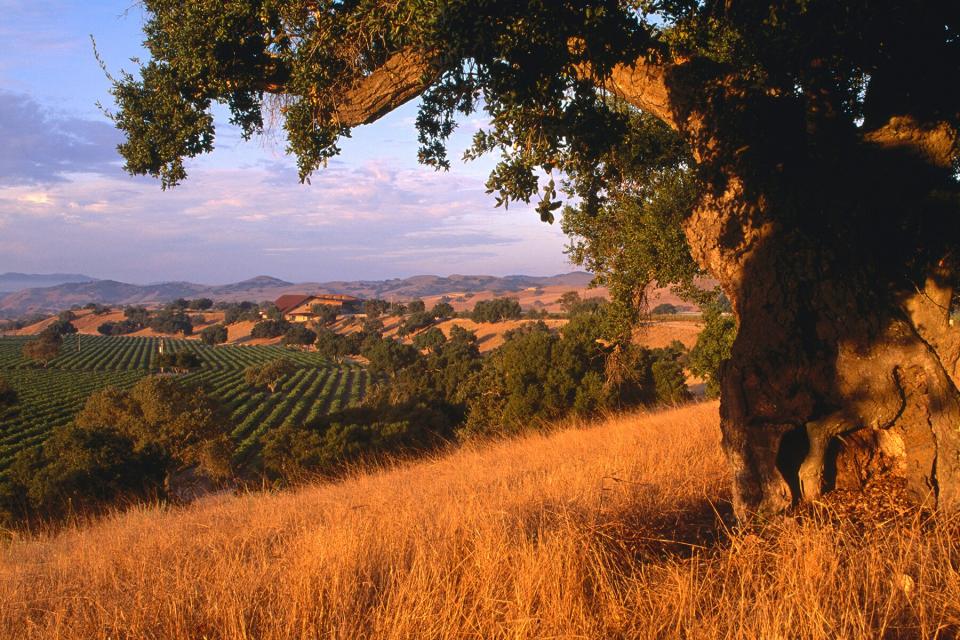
[(613, 531)]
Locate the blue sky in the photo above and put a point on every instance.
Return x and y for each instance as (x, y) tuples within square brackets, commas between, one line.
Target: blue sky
[(67, 206)]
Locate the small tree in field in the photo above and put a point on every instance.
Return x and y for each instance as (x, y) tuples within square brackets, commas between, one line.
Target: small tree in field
[(414, 322), (201, 304), (442, 311), (269, 328), (170, 321), (416, 306), (60, 327), (44, 348), (331, 344), (179, 362), (214, 334), (269, 374), (432, 339), (372, 326), (568, 301), (375, 308), (299, 335)]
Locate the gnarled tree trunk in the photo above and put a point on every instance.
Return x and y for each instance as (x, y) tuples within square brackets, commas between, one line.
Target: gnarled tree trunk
[(845, 365)]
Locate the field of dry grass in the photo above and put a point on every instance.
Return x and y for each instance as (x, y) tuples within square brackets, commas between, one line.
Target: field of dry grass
[(614, 530), (86, 323)]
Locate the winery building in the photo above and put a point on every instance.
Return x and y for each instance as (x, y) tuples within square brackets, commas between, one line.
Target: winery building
[(298, 307)]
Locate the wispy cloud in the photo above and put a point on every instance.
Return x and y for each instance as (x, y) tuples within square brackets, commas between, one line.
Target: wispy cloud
[(364, 221), (41, 146)]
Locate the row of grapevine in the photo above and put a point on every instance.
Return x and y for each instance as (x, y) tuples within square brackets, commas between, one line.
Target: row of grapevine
[(50, 396), (48, 399)]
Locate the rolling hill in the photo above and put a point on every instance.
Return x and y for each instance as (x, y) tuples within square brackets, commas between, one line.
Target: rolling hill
[(613, 530), (111, 292)]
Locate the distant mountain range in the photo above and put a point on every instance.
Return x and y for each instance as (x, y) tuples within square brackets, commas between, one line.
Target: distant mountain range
[(10, 282), (69, 290)]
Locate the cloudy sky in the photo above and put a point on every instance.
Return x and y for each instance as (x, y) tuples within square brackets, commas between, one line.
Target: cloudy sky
[(67, 206)]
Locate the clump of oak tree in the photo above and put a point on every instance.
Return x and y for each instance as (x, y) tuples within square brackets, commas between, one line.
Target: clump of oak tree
[(496, 310), (150, 440)]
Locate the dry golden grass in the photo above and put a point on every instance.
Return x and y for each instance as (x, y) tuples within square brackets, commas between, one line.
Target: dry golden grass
[(86, 323), (661, 333), (601, 532)]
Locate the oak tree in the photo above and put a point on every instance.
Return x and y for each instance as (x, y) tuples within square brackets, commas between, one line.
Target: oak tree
[(269, 374), (808, 152)]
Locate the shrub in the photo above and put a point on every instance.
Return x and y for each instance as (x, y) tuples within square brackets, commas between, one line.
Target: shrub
[(171, 322), (138, 315), (240, 311), (538, 376), (331, 344), (327, 445), (664, 309), (60, 327), (269, 374), (214, 334), (122, 444), (78, 469), (44, 348), (375, 308), (496, 310), (713, 348), (178, 420), (326, 313), (573, 305), (119, 328), (442, 310), (97, 309), (372, 326), (8, 395), (416, 306), (270, 328), (201, 304), (181, 361), (669, 381), (299, 335), (388, 356), (414, 322), (431, 339), (436, 379), (270, 311)]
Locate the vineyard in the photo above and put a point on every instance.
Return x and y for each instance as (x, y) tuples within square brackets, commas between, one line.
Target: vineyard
[(50, 396)]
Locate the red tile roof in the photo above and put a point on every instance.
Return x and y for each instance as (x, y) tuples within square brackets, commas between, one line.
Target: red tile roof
[(291, 301)]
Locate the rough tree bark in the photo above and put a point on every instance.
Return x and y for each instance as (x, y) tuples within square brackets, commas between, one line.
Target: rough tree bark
[(845, 365)]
